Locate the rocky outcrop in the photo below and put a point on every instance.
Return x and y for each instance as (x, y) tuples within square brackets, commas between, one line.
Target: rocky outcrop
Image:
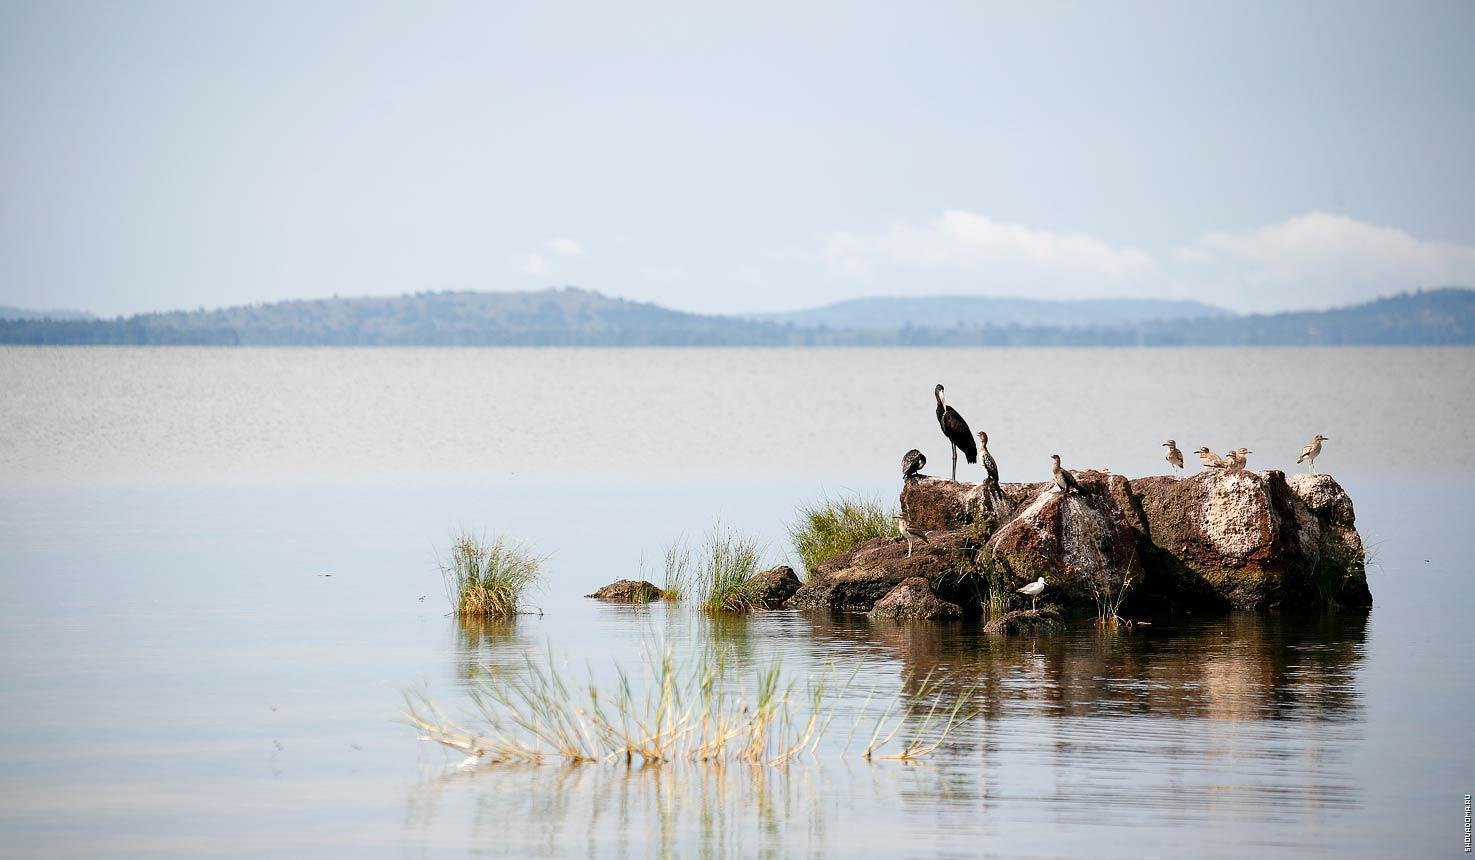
[(1044, 620), (774, 587), (1214, 540), (628, 591), (913, 598)]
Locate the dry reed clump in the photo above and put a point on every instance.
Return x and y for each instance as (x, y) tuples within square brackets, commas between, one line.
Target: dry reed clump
[(688, 715), (830, 526), (488, 580)]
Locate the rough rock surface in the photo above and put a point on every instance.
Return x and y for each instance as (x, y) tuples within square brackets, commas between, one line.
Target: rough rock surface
[(1251, 540), (1084, 544), (860, 576), (628, 591), (1213, 540), (1026, 621), (913, 598), (774, 587)]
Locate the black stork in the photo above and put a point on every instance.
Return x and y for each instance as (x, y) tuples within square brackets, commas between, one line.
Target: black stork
[(956, 430)]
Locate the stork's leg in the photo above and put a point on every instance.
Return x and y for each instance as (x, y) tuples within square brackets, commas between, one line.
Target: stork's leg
[(955, 462)]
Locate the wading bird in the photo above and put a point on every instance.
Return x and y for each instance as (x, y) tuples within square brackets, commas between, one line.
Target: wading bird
[(1033, 590), (912, 463), (1065, 482), (1312, 451), (955, 429), (910, 532), (1209, 459), (989, 466), (1174, 456)]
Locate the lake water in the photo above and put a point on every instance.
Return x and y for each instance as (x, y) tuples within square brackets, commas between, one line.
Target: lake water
[(180, 678)]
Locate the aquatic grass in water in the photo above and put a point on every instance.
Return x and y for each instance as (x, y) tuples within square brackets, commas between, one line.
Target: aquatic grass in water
[(678, 561), (831, 526), (488, 580), (727, 562), (690, 714)]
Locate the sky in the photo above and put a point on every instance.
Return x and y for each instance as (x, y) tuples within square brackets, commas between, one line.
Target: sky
[(734, 157)]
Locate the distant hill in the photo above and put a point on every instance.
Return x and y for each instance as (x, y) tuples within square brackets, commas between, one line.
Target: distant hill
[(8, 312), (575, 317), (556, 317), (888, 313)]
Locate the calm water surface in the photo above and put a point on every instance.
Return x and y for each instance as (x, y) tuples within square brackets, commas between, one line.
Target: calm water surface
[(180, 678)]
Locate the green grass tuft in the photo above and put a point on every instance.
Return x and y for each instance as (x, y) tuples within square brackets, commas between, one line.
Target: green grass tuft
[(727, 562), (488, 580), (831, 526)]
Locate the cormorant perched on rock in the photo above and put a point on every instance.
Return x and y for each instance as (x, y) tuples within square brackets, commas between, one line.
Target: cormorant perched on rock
[(956, 430), (910, 532), (1312, 451), (987, 459), (1065, 482), (1174, 456), (912, 463), (1034, 589), (1209, 459)]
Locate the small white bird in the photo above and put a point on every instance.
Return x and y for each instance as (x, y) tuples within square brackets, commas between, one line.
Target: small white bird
[(1033, 590)]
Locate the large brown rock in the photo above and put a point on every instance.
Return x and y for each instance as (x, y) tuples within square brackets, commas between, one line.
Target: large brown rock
[(775, 586), (857, 578), (913, 598), (1251, 541), (1084, 544)]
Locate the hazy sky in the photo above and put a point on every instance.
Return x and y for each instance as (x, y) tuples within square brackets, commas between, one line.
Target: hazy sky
[(161, 155)]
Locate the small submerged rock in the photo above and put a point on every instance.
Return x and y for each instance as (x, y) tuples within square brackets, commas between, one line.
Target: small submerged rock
[(775, 586), (1044, 620), (913, 598), (628, 591)]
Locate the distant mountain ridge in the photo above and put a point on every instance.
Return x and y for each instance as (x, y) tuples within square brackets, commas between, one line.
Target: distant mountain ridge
[(577, 317), (884, 313)]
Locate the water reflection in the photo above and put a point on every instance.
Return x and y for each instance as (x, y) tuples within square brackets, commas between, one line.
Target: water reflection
[(1243, 667), (1244, 722)]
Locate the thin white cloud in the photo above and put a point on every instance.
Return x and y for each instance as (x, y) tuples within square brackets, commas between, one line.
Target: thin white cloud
[(1001, 256), (535, 265), (567, 247), (1320, 259), (1312, 260)]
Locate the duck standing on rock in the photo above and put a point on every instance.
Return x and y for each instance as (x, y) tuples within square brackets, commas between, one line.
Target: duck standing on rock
[(1209, 459), (912, 463), (1174, 456), (1065, 482), (1312, 451), (955, 429), (989, 466), (910, 532), (1034, 589)]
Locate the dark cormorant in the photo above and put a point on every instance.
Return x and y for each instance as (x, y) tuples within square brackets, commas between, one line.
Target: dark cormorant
[(956, 430), (912, 463), (1064, 480), (989, 466)]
